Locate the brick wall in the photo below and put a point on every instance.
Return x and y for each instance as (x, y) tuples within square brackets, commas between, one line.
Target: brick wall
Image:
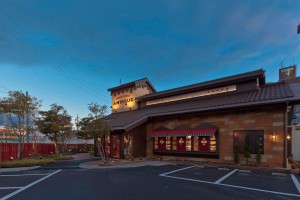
[(268, 119)]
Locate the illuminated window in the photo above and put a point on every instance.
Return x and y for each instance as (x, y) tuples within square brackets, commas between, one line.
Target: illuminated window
[(189, 143), (196, 143), (168, 143), (212, 144), (174, 144)]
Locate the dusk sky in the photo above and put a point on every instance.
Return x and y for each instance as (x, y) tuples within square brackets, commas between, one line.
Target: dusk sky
[(70, 51)]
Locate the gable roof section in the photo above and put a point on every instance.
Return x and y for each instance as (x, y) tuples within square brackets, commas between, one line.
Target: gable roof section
[(208, 84), (267, 94), (132, 84)]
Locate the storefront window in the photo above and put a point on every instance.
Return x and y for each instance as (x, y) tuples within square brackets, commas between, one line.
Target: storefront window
[(161, 143), (168, 143), (199, 144), (189, 143), (204, 143), (213, 144), (181, 143), (174, 144), (196, 143)]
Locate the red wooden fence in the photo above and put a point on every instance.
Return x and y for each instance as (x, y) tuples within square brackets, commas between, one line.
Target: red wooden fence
[(10, 150)]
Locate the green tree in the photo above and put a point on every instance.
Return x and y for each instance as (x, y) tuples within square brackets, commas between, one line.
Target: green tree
[(56, 124), (83, 130), (20, 108), (258, 152), (247, 148)]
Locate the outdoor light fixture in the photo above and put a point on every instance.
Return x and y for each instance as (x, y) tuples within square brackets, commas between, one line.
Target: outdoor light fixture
[(288, 137), (273, 137), (298, 29)]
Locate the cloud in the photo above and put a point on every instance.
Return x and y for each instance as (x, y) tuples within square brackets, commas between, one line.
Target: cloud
[(156, 39)]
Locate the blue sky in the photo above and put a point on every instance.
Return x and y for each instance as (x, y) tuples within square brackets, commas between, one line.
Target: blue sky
[(70, 51)]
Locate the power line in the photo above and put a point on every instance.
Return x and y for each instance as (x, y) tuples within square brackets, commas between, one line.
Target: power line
[(83, 86), (289, 53), (4, 88)]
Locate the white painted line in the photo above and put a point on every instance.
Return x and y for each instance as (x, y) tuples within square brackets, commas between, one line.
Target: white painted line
[(296, 182), (24, 175), (244, 171), (226, 176), (9, 188), (188, 179), (173, 171), (223, 169), (278, 174), (260, 190), (199, 166), (234, 186), (28, 186)]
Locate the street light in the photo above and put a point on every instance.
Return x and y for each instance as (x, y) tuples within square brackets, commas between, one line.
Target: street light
[(298, 29)]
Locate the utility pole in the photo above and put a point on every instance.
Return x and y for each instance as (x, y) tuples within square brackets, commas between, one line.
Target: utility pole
[(27, 118), (76, 121)]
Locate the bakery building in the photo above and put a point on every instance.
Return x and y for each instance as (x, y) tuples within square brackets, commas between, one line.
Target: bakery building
[(204, 121)]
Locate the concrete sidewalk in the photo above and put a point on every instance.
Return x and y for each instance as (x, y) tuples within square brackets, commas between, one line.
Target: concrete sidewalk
[(95, 164), (82, 156)]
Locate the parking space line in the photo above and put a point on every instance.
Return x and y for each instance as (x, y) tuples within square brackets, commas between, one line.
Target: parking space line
[(188, 179), (24, 175), (226, 176), (233, 186), (260, 190), (28, 186), (9, 188), (296, 182), (164, 174)]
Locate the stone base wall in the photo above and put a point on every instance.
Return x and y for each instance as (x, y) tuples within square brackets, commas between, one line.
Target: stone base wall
[(268, 119)]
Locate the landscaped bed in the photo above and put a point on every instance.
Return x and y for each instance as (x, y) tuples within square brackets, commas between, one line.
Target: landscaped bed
[(34, 161)]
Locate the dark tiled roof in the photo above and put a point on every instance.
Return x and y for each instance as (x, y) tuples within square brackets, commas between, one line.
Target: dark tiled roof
[(293, 80), (267, 94), (208, 84), (132, 84)]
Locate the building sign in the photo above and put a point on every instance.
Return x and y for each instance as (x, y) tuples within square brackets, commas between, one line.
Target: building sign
[(287, 73), (219, 90), (123, 99)]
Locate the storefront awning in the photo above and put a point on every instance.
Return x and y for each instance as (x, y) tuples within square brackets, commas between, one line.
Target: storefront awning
[(192, 132)]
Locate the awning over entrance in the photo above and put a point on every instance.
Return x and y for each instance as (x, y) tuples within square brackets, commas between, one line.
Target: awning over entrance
[(191, 132)]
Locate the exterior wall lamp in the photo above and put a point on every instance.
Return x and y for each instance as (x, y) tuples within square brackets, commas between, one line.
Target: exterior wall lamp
[(274, 137), (288, 137)]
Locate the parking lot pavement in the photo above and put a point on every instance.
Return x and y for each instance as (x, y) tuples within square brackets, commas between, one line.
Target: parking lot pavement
[(12, 183), (261, 181)]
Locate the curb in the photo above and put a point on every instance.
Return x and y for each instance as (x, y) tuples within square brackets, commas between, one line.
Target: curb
[(17, 169)]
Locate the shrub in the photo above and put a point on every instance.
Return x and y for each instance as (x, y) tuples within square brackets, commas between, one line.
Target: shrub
[(247, 148), (258, 152), (236, 154)]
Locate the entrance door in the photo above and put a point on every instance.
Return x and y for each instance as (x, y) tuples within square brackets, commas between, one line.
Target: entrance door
[(116, 144)]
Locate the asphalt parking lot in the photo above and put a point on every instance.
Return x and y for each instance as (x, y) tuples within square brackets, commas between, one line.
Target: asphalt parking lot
[(148, 182), (263, 181)]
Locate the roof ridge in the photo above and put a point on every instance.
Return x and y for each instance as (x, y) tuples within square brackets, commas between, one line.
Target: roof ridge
[(206, 83)]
